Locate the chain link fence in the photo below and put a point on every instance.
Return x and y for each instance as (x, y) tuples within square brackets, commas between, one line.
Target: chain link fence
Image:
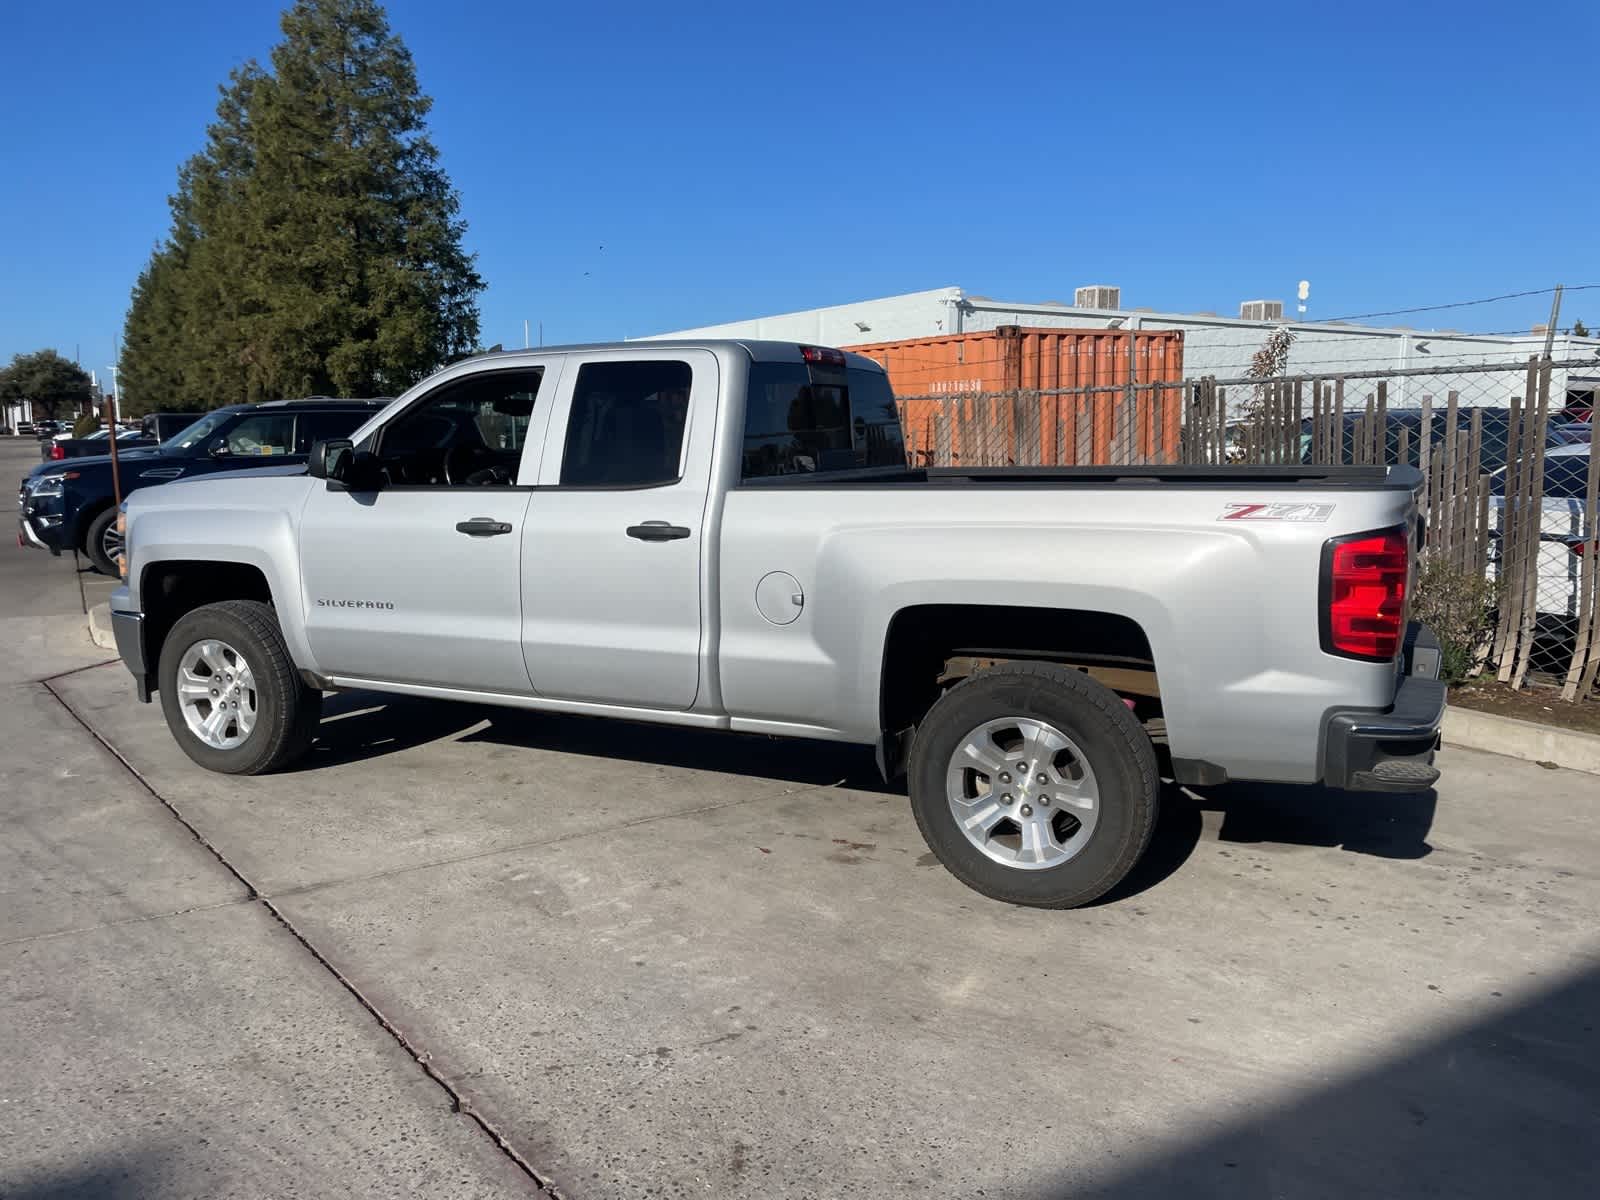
[(1511, 486)]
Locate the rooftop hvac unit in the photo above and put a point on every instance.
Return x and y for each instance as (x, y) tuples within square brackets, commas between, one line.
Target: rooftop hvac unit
[(1097, 295), (1261, 310)]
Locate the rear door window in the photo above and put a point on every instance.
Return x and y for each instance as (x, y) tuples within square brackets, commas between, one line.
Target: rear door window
[(626, 425), (802, 418), (313, 427)]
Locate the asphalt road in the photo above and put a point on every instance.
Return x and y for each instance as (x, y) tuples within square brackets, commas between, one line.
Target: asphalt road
[(659, 962)]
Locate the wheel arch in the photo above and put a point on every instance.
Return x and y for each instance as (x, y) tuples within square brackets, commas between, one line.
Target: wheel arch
[(85, 517), (169, 588), (928, 648)]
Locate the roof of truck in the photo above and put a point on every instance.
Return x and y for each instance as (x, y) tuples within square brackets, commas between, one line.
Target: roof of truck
[(758, 349)]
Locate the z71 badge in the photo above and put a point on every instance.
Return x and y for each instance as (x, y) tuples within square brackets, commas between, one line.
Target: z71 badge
[(1276, 512)]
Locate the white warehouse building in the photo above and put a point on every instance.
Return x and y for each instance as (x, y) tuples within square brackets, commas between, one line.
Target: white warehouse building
[(1213, 345)]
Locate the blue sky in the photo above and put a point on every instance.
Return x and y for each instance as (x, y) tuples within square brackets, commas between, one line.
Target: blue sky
[(736, 160)]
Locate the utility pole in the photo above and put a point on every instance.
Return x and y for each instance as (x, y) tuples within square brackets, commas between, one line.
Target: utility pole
[(524, 333), (111, 425), (1555, 315)]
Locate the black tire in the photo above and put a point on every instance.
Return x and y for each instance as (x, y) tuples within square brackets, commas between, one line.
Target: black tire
[(1111, 740), (288, 710), (94, 543)]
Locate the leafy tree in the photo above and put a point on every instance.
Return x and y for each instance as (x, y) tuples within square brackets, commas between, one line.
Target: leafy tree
[(47, 380), (1579, 329), (316, 242)]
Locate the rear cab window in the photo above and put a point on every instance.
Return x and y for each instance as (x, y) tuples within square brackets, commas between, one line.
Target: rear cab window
[(819, 417)]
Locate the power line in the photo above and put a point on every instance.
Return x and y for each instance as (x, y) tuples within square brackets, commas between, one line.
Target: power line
[(1401, 312)]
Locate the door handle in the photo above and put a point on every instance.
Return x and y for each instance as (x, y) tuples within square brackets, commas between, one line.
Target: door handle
[(658, 531), (482, 527)]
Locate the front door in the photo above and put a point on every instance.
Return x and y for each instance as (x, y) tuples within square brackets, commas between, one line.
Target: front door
[(612, 559), (418, 580)]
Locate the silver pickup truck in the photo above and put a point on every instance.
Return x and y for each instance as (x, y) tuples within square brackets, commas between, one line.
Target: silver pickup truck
[(726, 535)]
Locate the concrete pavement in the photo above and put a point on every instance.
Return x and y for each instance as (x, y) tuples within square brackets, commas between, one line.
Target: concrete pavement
[(162, 1033), (671, 963)]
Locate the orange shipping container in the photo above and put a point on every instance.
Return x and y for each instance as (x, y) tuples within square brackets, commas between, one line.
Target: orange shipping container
[(966, 398)]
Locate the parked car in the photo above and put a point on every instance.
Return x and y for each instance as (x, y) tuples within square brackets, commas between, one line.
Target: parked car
[(71, 505), (159, 426), (150, 429), (71, 447), (1563, 427), (45, 430), (1563, 538), (726, 535)]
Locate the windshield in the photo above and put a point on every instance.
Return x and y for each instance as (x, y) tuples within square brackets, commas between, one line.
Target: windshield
[(192, 435)]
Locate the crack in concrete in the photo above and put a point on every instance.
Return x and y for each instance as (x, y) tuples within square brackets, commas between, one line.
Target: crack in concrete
[(459, 1103), (94, 666), (160, 916), (540, 843)]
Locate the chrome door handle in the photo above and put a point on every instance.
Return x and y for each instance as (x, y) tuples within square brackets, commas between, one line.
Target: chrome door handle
[(658, 531), (482, 527)]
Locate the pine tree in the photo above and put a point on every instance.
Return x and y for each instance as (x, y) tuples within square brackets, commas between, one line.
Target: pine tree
[(316, 242), (359, 274), (153, 346)]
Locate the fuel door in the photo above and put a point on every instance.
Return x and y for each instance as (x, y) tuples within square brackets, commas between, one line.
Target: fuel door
[(779, 597)]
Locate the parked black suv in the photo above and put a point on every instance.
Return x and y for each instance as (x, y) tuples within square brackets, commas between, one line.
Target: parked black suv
[(69, 505)]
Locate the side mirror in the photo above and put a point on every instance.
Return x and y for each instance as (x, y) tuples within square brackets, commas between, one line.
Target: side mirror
[(330, 459), (344, 467)]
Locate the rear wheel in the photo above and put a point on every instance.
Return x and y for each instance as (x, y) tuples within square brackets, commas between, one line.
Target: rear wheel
[(231, 695), (102, 543), (1035, 785)]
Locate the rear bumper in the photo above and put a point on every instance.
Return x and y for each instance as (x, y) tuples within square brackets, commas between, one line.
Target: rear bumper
[(1391, 751)]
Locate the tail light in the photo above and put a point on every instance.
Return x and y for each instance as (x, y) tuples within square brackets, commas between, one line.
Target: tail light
[(824, 355), (1364, 582), (57, 450)]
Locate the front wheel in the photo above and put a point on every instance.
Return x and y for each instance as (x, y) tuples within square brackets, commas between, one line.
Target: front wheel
[(103, 544), (231, 695), (1035, 785)]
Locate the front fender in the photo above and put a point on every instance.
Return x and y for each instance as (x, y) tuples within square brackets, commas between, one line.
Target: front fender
[(262, 536)]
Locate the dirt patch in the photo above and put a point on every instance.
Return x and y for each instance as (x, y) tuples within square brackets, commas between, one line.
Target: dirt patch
[(1541, 704)]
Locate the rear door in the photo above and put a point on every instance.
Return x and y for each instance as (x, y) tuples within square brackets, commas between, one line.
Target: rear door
[(611, 560)]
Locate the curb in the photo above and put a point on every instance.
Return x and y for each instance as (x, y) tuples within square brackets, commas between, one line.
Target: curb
[(100, 627), (1522, 739)]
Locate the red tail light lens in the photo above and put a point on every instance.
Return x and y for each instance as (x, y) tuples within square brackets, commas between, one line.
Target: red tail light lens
[(1364, 580), (825, 355), (56, 451)]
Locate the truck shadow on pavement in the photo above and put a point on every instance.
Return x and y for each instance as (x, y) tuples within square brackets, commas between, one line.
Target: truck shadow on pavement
[(363, 725), (122, 1178), (1382, 825)]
